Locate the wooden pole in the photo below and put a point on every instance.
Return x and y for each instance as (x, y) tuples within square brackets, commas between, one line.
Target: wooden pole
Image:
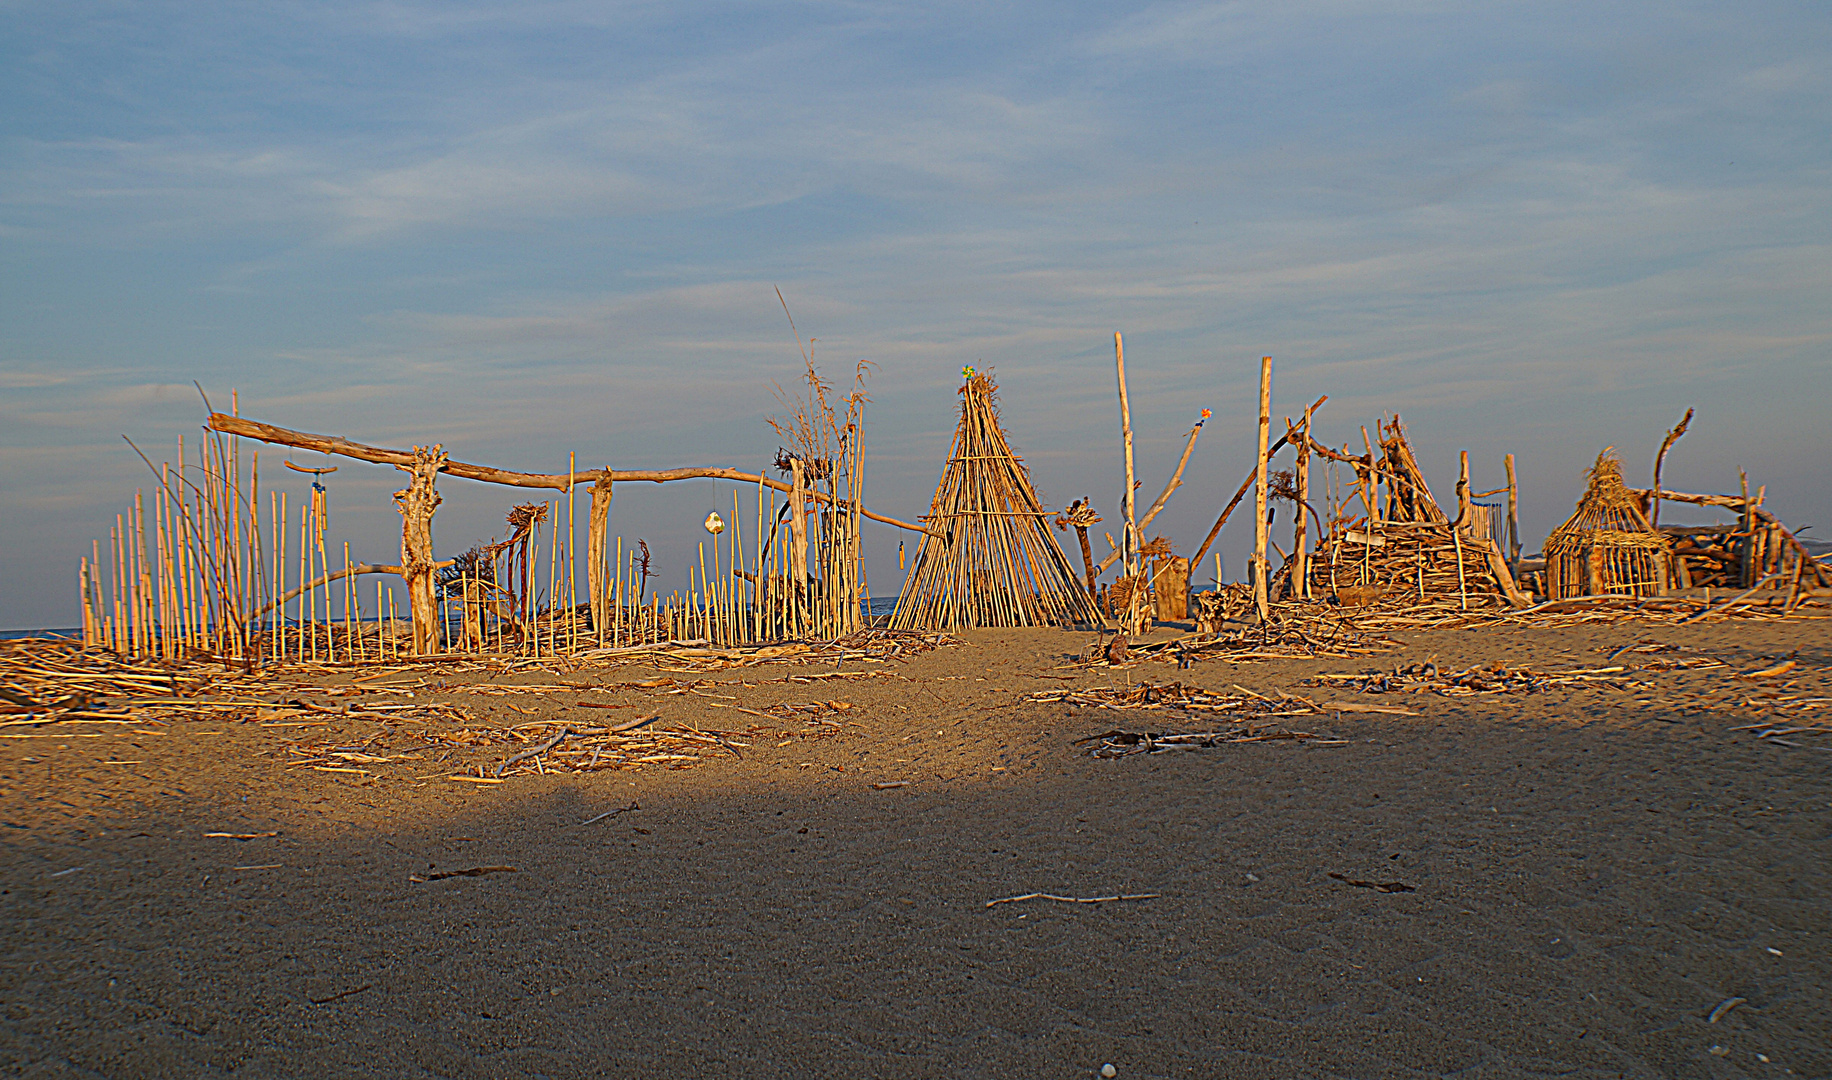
[(1129, 540), (1260, 493), (594, 549), (1240, 494), (1301, 544), (1513, 519), (417, 503), (1748, 575), (798, 529)]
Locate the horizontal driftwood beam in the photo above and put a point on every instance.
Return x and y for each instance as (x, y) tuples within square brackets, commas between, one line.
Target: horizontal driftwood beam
[(336, 444), (352, 572)]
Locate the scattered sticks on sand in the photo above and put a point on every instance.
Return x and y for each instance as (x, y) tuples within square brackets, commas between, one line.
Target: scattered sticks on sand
[(1480, 679), (475, 871), (1377, 886), (1072, 899)]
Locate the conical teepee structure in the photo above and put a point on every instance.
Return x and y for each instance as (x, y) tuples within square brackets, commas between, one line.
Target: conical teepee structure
[(994, 562), (1607, 545)]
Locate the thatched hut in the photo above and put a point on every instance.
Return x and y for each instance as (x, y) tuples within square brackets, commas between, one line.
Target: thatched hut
[(1607, 546)]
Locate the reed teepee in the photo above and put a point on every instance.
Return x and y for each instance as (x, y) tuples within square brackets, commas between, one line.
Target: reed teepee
[(989, 558)]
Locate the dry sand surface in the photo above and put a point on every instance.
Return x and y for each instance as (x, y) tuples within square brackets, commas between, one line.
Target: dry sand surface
[(1596, 870)]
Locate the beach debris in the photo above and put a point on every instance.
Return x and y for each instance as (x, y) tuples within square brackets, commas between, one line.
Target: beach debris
[(1723, 1007), (1494, 678), (1293, 632), (1769, 672), (475, 871), (340, 996), (889, 784), (1116, 650), (1177, 696), (1072, 899), (239, 835), (261, 866), (1113, 744), (563, 735), (1377, 886), (1108, 1072), (611, 813)]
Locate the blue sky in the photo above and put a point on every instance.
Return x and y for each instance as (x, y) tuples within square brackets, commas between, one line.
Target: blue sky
[(532, 229)]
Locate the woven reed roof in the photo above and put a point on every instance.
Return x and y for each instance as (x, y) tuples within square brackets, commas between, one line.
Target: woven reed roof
[(1609, 515)]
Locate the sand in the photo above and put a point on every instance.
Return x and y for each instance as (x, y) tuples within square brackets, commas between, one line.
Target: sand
[(1594, 871)]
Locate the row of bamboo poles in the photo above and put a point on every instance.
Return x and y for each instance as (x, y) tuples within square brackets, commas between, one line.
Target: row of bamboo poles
[(206, 567)]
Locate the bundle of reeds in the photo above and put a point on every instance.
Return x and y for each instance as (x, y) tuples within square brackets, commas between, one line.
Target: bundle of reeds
[(991, 560)]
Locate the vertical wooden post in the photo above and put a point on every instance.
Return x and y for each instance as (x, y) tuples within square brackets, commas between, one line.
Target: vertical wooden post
[(594, 550), (417, 503), (1260, 570), (1748, 528), (1369, 481), (798, 531), (1513, 520), (1300, 550), (1129, 540)]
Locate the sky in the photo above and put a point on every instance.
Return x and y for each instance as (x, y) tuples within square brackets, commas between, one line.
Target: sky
[(547, 228)]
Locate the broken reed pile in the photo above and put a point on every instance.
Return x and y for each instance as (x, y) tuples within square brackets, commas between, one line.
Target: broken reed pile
[(1606, 547), (990, 559)]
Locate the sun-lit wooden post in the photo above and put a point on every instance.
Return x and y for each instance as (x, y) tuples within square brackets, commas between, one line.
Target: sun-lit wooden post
[(417, 502), (1136, 612), (1260, 566), (1300, 550), (594, 551)]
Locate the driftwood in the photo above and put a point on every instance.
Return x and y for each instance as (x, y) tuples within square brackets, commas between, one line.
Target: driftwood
[(417, 502), (335, 444)]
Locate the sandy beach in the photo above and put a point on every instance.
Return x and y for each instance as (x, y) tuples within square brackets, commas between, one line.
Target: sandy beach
[(1580, 879)]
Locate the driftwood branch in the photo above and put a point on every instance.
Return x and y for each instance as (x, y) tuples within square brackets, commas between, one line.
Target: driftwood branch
[(354, 571), (1661, 459), (335, 444), (1245, 485), (1176, 481)]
